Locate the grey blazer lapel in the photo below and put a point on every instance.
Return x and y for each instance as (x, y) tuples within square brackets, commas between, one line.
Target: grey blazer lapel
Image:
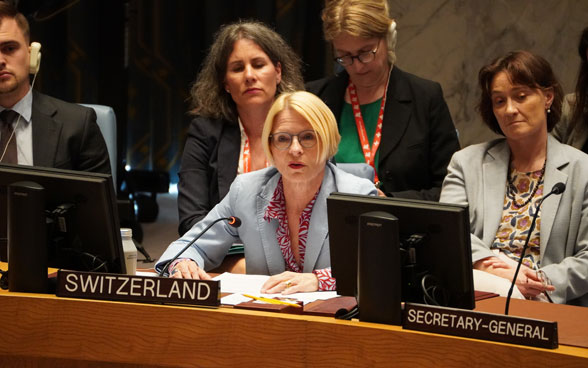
[(555, 161), (318, 228), (495, 170), (267, 230), (46, 131)]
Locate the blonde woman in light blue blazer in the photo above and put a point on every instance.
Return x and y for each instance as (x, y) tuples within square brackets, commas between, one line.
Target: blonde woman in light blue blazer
[(300, 135)]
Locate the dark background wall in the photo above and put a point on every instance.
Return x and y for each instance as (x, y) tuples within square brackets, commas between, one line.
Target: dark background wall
[(140, 57)]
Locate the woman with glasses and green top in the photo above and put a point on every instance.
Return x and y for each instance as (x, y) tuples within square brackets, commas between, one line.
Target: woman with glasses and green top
[(283, 208), (394, 121)]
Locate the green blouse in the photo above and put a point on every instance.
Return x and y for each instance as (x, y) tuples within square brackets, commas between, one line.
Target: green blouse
[(350, 146)]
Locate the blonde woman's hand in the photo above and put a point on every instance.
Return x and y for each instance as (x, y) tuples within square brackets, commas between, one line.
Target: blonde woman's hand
[(290, 282), (188, 269)]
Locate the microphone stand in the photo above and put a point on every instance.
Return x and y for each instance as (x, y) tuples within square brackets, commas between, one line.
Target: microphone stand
[(558, 188), (164, 269)]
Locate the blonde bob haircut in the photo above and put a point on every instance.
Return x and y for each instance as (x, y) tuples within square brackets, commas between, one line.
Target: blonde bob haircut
[(360, 18), (318, 115)]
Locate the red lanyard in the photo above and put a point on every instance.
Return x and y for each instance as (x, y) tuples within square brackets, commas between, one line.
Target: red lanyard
[(370, 155), (247, 157)]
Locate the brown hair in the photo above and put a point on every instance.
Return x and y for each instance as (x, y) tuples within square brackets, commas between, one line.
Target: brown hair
[(208, 95), (523, 68), (7, 10)]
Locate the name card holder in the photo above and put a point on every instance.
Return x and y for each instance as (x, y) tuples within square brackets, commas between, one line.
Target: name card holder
[(479, 325), (142, 289)]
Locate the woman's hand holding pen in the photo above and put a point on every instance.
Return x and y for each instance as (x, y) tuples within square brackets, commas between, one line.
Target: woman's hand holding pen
[(188, 269), (290, 283)]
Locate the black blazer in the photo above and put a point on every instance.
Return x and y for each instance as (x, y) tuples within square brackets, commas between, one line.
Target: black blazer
[(209, 166), (66, 136), (418, 135)]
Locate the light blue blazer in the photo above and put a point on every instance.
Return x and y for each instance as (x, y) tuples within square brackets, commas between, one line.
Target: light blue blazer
[(248, 198), (477, 177)]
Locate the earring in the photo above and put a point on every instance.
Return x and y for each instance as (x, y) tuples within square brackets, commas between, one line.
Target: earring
[(549, 110)]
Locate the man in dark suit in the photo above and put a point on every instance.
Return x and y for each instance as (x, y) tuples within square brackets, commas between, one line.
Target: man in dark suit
[(36, 129), (45, 131)]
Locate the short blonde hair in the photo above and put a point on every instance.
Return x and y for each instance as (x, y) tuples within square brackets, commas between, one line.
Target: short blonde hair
[(318, 115), (360, 18)]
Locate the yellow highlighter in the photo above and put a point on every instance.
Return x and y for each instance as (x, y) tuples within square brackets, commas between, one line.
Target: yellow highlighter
[(271, 301)]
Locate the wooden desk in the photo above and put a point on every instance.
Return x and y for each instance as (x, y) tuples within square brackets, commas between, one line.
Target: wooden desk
[(43, 330), (572, 321)]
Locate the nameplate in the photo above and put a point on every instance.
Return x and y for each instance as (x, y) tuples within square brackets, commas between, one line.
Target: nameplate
[(478, 325), (143, 289)]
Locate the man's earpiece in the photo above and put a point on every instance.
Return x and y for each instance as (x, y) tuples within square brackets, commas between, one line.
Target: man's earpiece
[(35, 59)]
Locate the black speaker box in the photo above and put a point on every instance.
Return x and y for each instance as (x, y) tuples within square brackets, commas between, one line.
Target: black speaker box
[(27, 238), (378, 269)]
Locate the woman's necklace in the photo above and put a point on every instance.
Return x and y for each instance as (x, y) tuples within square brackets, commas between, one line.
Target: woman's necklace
[(512, 190)]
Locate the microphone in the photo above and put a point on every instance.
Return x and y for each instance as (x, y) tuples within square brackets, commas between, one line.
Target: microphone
[(233, 221), (236, 222), (558, 188)]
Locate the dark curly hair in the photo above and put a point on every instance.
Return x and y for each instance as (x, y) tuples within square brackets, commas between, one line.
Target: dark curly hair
[(208, 95)]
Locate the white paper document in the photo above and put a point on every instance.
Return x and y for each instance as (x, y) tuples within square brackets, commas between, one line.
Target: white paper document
[(239, 284)]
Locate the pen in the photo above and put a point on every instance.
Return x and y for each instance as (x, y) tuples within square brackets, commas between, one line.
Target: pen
[(271, 301)]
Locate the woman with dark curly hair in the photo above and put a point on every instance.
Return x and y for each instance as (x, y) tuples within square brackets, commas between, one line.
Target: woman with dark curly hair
[(247, 66)]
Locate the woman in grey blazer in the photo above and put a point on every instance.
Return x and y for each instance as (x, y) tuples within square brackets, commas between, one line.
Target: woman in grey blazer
[(282, 208), (504, 182)]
